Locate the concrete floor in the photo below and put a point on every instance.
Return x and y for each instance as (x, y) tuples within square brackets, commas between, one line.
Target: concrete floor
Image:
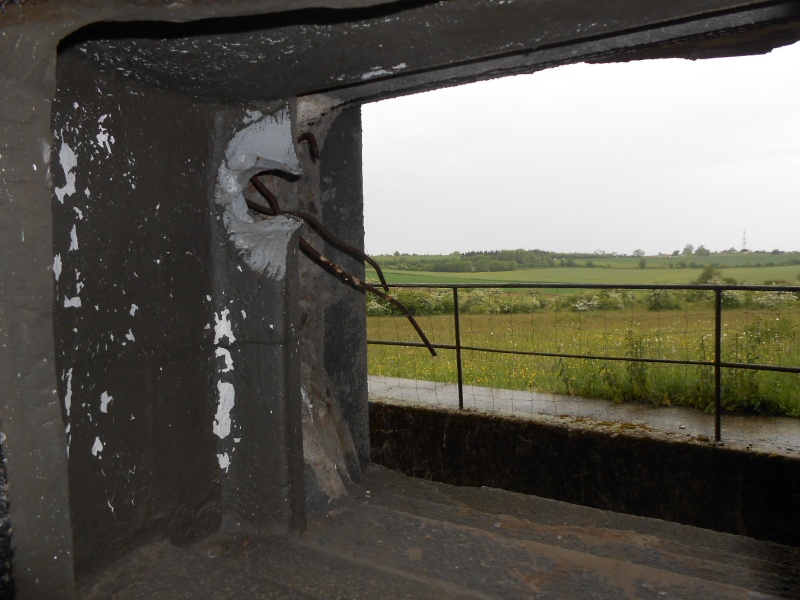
[(396, 537), (765, 434)]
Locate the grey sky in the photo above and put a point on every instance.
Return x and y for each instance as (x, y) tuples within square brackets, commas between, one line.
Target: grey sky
[(652, 155)]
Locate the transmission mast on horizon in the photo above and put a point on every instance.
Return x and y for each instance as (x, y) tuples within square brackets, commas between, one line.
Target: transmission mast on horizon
[(744, 240)]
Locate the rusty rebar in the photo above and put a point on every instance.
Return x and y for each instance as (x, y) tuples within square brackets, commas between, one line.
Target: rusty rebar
[(267, 194), (327, 265), (315, 224), (313, 148)]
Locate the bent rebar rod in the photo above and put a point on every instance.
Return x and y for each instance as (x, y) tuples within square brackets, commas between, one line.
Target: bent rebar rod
[(313, 148), (314, 223), (328, 265)]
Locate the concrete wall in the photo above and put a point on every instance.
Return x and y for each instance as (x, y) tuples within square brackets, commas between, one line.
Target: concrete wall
[(746, 493), (176, 362)]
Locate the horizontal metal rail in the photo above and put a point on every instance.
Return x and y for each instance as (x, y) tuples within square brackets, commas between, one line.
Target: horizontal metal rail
[(718, 364)]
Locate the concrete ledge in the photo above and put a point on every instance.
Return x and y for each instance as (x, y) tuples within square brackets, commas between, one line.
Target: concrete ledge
[(733, 491)]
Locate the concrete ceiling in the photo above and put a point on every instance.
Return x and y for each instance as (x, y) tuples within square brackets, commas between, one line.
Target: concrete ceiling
[(367, 52)]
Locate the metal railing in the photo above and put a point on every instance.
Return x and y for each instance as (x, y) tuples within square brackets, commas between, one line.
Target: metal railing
[(717, 363)]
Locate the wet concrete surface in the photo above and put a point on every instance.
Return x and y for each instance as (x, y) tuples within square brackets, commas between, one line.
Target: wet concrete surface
[(773, 435), (397, 537)]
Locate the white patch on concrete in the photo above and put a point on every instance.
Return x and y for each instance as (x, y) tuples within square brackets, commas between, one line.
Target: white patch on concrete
[(57, 266), (129, 336), (400, 67), (73, 236), (265, 144), (244, 314), (311, 108), (375, 72), (68, 161), (224, 461), (263, 244), (68, 394), (222, 420), (224, 353), (307, 402), (222, 327), (103, 137), (251, 116), (72, 302), (104, 400), (78, 212), (97, 447), (134, 308)]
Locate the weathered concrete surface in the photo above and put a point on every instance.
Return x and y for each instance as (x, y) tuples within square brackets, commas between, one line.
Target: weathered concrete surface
[(396, 537), (750, 494), (770, 435), (178, 363)]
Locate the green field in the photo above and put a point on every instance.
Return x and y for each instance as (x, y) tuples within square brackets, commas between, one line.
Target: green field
[(759, 327), (768, 336), (625, 275)]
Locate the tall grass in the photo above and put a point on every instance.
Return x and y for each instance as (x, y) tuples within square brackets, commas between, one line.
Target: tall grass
[(752, 333)]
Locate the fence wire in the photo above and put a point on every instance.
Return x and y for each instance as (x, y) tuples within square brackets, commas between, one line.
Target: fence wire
[(628, 359)]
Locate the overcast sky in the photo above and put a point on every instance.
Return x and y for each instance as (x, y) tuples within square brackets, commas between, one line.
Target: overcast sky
[(652, 155)]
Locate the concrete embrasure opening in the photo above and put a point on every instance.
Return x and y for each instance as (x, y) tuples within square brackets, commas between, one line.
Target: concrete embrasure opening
[(194, 392)]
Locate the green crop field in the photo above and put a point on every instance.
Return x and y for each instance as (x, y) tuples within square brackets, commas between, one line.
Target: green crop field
[(752, 275), (749, 335), (758, 327)]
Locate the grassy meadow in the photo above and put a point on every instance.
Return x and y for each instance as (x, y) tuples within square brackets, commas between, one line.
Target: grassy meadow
[(758, 327)]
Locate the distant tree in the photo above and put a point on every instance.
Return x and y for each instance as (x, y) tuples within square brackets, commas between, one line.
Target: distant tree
[(676, 252), (638, 252), (702, 251), (708, 274), (642, 263), (688, 250)]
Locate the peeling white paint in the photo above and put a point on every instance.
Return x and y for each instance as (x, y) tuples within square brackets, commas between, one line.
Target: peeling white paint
[(244, 314), (265, 144), (307, 402), (68, 394), (78, 212), (375, 72), (73, 236), (103, 137), (129, 336), (263, 244), (68, 161), (72, 302), (104, 400), (97, 447), (134, 308), (222, 420), (251, 116), (224, 353), (57, 266), (224, 461), (222, 327)]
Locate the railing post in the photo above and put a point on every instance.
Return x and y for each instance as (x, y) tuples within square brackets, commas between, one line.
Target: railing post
[(458, 350), (717, 361)]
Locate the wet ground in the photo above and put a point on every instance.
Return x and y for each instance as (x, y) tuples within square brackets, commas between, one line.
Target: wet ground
[(396, 537), (772, 435)]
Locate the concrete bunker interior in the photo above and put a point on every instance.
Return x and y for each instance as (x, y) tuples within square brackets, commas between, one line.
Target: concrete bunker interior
[(202, 385)]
